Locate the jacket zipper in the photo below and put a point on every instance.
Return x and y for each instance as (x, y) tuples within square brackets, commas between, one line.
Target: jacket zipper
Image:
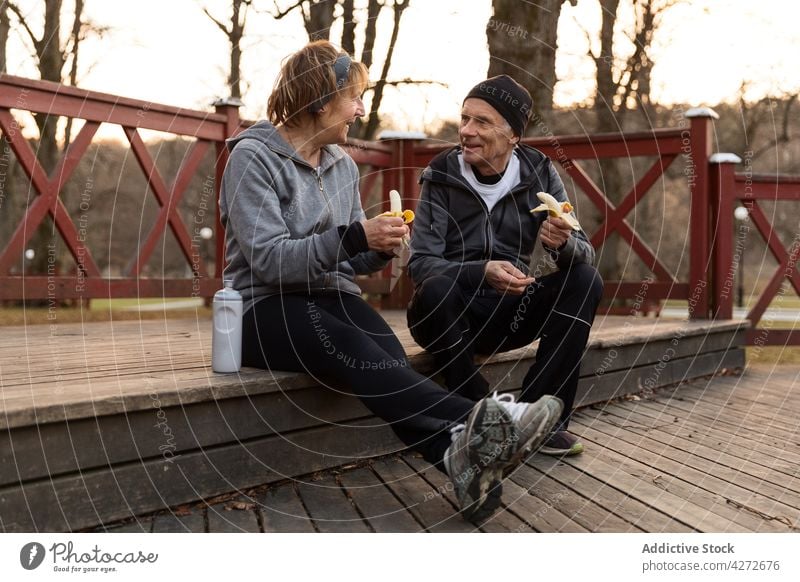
[(487, 249)]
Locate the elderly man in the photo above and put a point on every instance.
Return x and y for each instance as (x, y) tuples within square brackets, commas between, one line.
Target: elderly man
[(475, 290)]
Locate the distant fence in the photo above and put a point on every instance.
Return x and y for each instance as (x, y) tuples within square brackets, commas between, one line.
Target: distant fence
[(394, 164)]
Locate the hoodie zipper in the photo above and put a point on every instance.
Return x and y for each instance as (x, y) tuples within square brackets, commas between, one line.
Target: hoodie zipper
[(318, 175)]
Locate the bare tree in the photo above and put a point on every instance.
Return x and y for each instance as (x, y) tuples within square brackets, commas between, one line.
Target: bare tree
[(377, 95), (755, 116), (51, 57), (622, 86), (349, 26), (5, 28), (5, 158), (318, 19), (235, 32), (522, 44)]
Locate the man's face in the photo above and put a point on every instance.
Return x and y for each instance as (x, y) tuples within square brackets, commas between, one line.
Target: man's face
[(486, 139)]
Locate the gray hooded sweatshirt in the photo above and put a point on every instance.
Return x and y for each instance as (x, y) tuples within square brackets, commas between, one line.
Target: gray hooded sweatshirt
[(282, 218)]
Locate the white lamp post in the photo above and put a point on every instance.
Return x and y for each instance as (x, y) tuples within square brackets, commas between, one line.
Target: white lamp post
[(741, 214)]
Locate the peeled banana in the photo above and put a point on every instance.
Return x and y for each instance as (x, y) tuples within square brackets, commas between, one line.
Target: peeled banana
[(396, 209), (557, 209)]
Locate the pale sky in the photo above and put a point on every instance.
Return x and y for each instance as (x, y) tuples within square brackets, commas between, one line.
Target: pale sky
[(167, 51)]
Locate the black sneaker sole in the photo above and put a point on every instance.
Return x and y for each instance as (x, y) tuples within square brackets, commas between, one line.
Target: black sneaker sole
[(493, 443)]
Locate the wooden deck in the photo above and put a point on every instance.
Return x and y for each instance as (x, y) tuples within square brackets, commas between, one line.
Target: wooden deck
[(718, 455), (105, 421)]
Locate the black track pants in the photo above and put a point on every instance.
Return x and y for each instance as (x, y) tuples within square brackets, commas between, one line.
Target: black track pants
[(454, 324), (343, 343)]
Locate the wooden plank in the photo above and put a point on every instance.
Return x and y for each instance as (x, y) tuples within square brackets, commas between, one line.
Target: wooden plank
[(578, 508), (55, 449), (706, 450), (501, 521), (282, 511), (426, 504), (623, 354), (137, 526), (170, 523), (86, 499), (592, 390), (727, 437), (233, 517), (613, 475), (706, 490), (630, 510), (540, 515), (756, 401), (381, 509), (121, 389), (751, 488), (775, 416), (329, 507)]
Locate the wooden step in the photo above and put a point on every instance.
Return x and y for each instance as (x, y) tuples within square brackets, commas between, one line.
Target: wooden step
[(104, 421)]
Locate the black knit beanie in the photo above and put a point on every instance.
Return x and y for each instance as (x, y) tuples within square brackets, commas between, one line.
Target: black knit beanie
[(509, 98)]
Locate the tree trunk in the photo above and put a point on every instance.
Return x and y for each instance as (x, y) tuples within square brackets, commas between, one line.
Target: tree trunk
[(235, 38), (606, 121), (522, 44), (6, 157), (373, 11), (5, 28), (348, 27), (319, 19), (73, 70), (377, 96), (51, 64)]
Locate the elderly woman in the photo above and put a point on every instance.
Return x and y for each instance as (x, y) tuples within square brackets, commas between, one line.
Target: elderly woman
[(296, 236)]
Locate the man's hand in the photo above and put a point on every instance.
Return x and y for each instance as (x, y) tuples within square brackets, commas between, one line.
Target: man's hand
[(555, 232), (385, 233), (505, 277)]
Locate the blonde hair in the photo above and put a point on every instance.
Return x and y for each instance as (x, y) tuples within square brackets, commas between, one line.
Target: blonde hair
[(308, 79)]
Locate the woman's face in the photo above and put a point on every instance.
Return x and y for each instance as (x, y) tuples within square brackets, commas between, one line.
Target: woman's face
[(337, 117)]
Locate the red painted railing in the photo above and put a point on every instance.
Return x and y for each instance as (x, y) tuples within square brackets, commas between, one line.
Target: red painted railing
[(728, 188), (387, 164)]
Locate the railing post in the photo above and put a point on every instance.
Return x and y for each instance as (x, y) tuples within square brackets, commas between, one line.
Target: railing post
[(230, 109), (723, 271), (698, 150)]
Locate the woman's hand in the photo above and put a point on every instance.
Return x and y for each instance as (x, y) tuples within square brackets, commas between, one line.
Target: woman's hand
[(384, 233)]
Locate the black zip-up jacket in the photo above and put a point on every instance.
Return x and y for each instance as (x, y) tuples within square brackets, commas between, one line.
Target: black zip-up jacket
[(455, 235)]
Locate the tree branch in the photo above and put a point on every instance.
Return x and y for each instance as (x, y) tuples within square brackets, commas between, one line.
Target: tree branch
[(408, 81), (21, 17), (784, 137), (281, 13), (221, 26)]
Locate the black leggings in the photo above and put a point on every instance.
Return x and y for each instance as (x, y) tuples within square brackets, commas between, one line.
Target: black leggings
[(345, 345)]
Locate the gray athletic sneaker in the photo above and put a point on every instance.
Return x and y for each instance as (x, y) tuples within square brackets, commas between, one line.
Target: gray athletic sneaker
[(534, 422), (475, 460)]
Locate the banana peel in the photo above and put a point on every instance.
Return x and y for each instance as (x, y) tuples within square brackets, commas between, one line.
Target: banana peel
[(557, 209), (396, 209)]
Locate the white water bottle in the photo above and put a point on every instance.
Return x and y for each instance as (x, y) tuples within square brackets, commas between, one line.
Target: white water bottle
[(226, 337)]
